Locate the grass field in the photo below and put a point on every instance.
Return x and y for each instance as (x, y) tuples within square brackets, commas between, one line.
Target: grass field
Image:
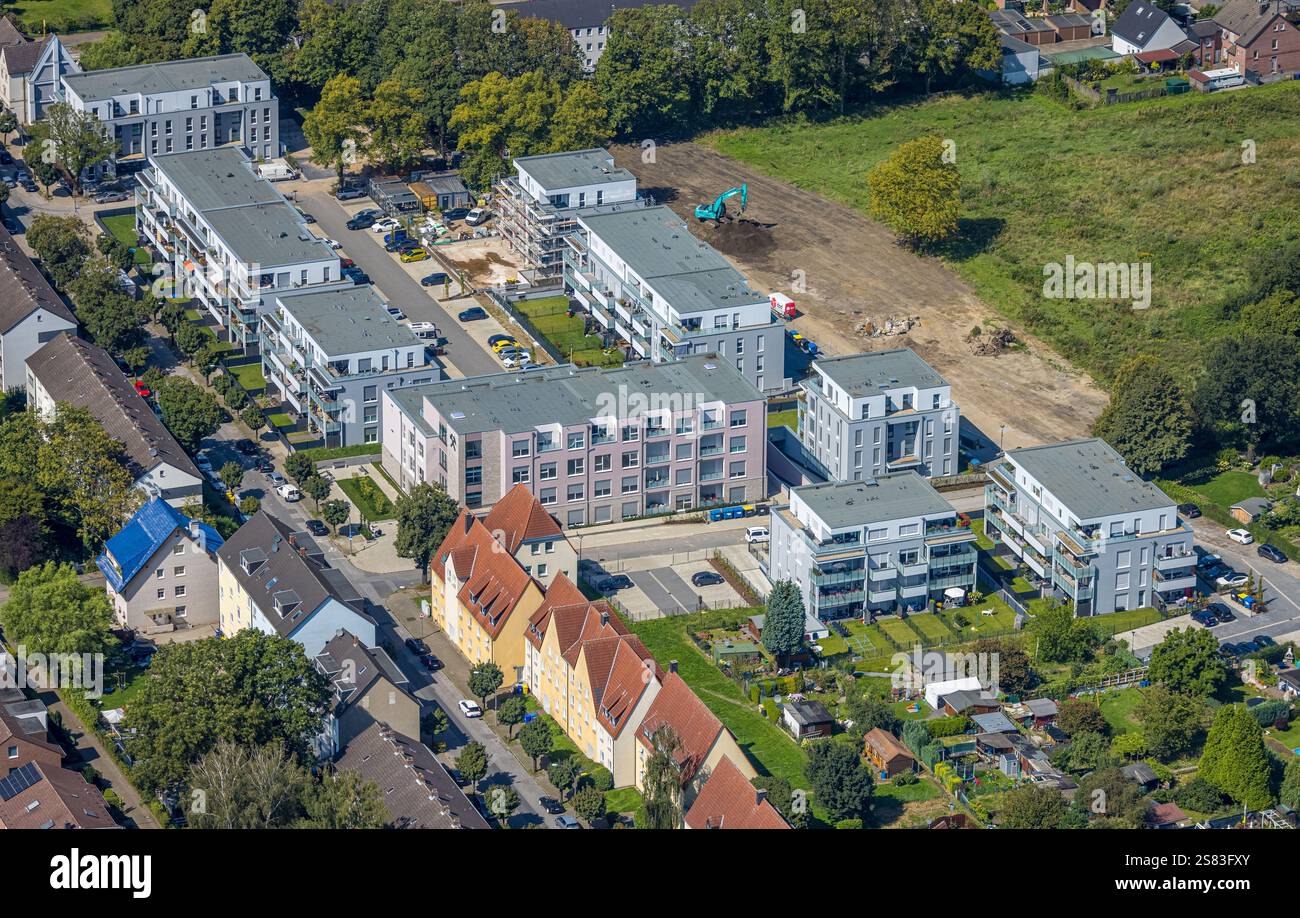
[(931, 628), (249, 376), (897, 629), (369, 500), (549, 316), (1227, 488), (63, 15), (122, 228), (1122, 183), (1117, 707), (279, 419), (788, 418)]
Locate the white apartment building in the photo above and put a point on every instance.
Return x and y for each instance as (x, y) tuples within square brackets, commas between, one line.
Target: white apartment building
[(1089, 527), (877, 546), (866, 415), (229, 238), (648, 282), (536, 207)]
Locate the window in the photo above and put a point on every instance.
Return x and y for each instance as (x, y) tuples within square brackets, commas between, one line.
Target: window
[(162, 594), (547, 496), (519, 448), (737, 445), (577, 440), (178, 548), (179, 570), (631, 434), (631, 460), (474, 449), (602, 463), (576, 492), (541, 570), (601, 488), (474, 476), (520, 475), (546, 471), (577, 467), (370, 415), (737, 470), (159, 573), (629, 485), (370, 394), (180, 590), (738, 418), (13, 752), (685, 451)]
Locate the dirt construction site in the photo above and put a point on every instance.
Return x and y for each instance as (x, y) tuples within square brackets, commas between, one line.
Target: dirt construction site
[(854, 274)]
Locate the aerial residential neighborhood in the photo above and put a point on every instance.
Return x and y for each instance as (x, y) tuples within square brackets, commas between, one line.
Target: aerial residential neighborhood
[(730, 414)]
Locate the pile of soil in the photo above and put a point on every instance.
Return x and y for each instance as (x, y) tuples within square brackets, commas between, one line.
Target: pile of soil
[(741, 238)]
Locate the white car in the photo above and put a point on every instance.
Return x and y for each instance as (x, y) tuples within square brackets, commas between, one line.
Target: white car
[(1231, 579), (515, 359), (396, 313), (1241, 536), (756, 534), (288, 493), (386, 225), (470, 709), (275, 478), (333, 243)]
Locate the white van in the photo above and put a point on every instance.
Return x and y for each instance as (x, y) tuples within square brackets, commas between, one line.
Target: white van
[(288, 493), (424, 330), (756, 534)]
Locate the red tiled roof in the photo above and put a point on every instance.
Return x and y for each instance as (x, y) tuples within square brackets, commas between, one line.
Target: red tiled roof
[(61, 799), (618, 669), (1152, 57), (492, 582), (728, 801), (697, 729), (1163, 814), (519, 516)]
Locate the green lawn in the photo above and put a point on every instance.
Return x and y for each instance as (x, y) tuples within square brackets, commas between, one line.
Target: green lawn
[(982, 542), (121, 692), (63, 15), (1117, 707), (931, 628), (279, 419), (370, 501), (122, 228), (623, 800), (767, 745), (1227, 488), (249, 375), (550, 317), (897, 629), (1041, 182), (788, 418)]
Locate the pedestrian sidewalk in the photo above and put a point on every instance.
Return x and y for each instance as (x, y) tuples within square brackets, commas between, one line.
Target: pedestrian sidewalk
[(91, 751)]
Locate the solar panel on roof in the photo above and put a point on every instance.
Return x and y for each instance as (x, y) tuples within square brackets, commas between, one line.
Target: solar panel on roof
[(19, 780)]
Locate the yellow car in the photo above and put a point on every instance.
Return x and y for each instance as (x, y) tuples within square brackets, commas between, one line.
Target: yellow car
[(500, 346), (414, 255)]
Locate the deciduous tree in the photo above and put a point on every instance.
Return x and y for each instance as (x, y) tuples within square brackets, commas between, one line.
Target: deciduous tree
[(916, 192)]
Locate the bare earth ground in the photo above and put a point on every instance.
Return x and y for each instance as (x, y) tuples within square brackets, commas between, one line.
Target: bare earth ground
[(854, 271), (489, 262)]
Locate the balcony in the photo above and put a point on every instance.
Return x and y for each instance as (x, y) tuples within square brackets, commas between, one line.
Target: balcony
[(917, 569), (826, 578), (882, 573), (914, 590), (832, 600), (1174, 580), (936, 534), (1173, 562), (883, 595)]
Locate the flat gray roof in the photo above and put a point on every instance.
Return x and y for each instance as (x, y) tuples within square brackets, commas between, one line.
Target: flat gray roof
[(659, 248), (216, 178), (579, 167), (268, 235), (874, 500), (568, 396), (169, 76), (1089, 478), (348, 320), (874, 372)]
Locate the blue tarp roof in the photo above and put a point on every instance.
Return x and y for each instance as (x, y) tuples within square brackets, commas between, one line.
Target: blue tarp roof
[(125, 553)]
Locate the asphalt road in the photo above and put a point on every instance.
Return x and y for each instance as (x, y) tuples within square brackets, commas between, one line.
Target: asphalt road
[(387, 273), (1281, 586), (666, 589)]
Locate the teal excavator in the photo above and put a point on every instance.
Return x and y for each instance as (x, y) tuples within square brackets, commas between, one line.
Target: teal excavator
[(716, 210)]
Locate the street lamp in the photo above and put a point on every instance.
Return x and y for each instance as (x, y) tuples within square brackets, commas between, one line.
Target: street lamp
[(1002, 439)]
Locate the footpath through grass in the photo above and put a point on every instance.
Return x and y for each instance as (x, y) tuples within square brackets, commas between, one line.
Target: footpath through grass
[(1041, 182)]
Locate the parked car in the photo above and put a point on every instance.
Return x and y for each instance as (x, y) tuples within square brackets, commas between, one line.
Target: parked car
[(1272, 552), (386, 225), (706, 578), (1231, 578), (434, 279), (1263, 640), (288, 493), (13, 226), (512, 360), (1221, 612), (1207, 561), (145, 393), (29, 185), (757, 534), (1241, 536), (6, 158), (316, 527), (111, 197), (1191, 511), (1202, 617), (567, 822), (417, 646), (264, 465), (275, 478), (456, 213), (359, 222), (1228, 650), (424, 329), (478, 216), (430, 662), (415, 254), (613, 583), (551, 805), (333, 243), (350, 193), (473, 314), (470, 708), (396, 313), (203, 462), (247, 447)]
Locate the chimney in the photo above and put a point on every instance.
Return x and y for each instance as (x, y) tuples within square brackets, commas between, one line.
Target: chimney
[(604, 617), (469, 521), (759, 796), (672, 666)]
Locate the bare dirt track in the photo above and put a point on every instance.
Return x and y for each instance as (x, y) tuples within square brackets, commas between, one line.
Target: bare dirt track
[(854, 272)]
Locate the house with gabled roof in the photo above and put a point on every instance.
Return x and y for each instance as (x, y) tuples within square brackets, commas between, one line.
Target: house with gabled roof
[(160, 571), (1143, 26), (532, 536), (729, 801), (367, 687), (481, 596), (590, 675), (702, 740), (277, 580), (31, 311), (1261, 35), (38, 796)]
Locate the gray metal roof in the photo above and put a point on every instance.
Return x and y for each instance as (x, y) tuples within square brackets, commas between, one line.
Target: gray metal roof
[(23, 288), (555, 171), (901, 495), (347, 320), (268, 235), (169, 76), (569, 396), (659, 248), (211, 179), (1089, 478), (876, 371)]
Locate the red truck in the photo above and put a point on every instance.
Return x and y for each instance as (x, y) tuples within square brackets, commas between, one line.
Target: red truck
[(783, 306)]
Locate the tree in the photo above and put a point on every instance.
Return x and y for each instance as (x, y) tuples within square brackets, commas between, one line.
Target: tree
[(1254, 390), (397, 128), (589, 803), (1015, 674), (499, 114), (190, 413), (1062, 638), (235, 786), (783, 624), (662, 782), (1108, 799), (343, 800), (25, 526), (45, 172), (782, 796), (840, 780), (512, 712), (335, 513), (253, 418), (1032, 807), (639, 75), (232, 475), (503, 801), (1148, 419), (564, 774), (8, 124), (1235, 759), (536, 739), (1077, 715), (113, 50), (1289, 795), (472, 763), (332, 126), (1187, 661), (1170, 721), (249, 505), (61, 243), (258, 28), (868, 712), (317, 488), (80, 140), (205, 358), (484, 679), (1085, 752), (582, 121), (299, 467), (424, 516), (954, 36), (50, 611), (114, 319), (916, 193), (251, 689)]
